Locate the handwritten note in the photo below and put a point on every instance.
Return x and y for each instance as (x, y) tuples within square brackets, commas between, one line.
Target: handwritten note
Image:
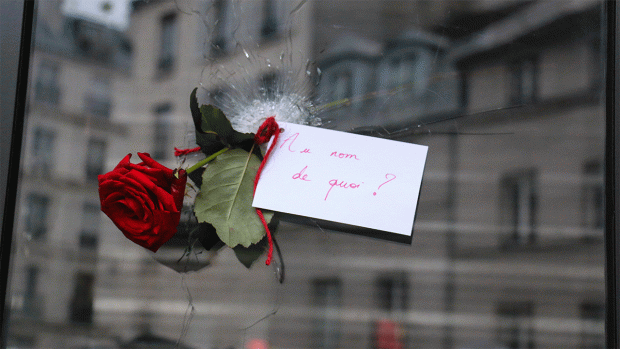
[(343, 177)]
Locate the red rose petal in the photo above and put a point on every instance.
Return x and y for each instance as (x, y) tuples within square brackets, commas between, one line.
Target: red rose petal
[(143, 200)]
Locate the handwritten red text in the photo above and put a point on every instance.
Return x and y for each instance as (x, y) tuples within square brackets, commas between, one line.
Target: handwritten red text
[(301, 175), (342, 184), (344, 155), (292, 140)]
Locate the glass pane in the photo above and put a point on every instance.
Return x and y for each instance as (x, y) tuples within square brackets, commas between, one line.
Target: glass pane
[(507, 249)]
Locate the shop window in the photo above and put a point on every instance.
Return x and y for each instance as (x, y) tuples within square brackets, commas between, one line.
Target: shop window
[(43, 152), (593, 197), (95, 158), (327, 296), (515, 325), (98, 99), (523, 80), (167, 44), (37, 207), (518, 207), (161, 145), (592, 315), (47, 88)]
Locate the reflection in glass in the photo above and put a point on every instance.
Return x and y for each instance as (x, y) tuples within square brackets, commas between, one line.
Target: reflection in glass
[(508, 244)]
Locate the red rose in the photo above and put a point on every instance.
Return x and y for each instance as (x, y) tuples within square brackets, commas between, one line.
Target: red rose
[(143, 200)]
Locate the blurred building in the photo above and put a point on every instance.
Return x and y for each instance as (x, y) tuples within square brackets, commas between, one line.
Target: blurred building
[(74, 67), (508, 243), (509, 235)]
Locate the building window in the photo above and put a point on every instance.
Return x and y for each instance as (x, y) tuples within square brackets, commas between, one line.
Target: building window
[(89, 234), (92, 40), (409, 75), (81, 305), (43, 152), (47, 88), (405, 71), (95, 158), (221, 35), (596, 71), (515, 325), (161, 146), (326, 297), (392, 292), (523, 81), (98, 99), (218, 97), (462, 95), (592, 316), (342, 85), (392, 295), (593, 200), (37, 207), (167, 47), (270, 25), (32, 300), (269, 86), (518, 201)]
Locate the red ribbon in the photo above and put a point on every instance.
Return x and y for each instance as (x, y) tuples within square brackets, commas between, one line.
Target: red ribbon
[(269, 128), (180, 152)]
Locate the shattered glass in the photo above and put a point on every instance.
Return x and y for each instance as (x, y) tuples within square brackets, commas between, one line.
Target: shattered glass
[(507, 250)]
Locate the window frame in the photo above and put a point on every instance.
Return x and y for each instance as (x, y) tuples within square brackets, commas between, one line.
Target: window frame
[(612, 174)]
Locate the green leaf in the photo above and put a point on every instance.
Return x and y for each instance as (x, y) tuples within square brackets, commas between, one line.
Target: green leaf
[(208, 140), (213, 129), (248, 255), (214, 120), (225, 198)]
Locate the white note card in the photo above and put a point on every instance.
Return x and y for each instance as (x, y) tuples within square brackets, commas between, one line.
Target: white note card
[(342, 177)]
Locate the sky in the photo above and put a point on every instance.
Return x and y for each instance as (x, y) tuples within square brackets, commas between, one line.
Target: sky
[(113, 13)]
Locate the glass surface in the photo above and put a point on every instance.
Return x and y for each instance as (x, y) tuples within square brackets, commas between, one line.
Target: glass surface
[(507, 249)]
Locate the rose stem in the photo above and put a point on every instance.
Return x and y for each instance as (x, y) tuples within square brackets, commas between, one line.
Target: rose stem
[(203, 162)]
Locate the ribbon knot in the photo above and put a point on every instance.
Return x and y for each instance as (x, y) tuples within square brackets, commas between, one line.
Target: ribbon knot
[(268, 129)]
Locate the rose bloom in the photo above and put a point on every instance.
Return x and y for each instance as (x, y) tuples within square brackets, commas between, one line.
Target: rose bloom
[(143, 200)]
